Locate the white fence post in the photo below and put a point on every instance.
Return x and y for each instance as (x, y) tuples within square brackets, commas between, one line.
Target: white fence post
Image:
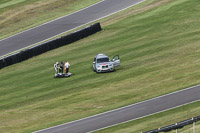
[(176, 129), (193, 126)]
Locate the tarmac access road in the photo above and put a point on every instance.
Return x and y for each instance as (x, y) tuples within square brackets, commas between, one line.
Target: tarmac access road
[(128, 113), (48, 30)]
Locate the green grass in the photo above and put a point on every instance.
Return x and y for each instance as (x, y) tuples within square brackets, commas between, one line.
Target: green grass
[(158, 43), (5, 4), (19, 15)]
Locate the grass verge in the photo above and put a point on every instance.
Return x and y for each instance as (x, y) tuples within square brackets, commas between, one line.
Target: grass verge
[(158, 43)]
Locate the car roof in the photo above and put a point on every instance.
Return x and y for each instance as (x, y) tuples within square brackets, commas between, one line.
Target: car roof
[(101, 56)]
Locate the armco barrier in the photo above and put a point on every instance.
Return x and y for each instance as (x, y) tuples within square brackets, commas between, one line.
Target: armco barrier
[(47, 46), (175, 126)]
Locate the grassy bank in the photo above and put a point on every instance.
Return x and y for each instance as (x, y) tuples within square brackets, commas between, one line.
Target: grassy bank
[(19, 15), (158, 43)]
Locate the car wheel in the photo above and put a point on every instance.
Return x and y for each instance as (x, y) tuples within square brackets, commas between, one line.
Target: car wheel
[(97, 72)]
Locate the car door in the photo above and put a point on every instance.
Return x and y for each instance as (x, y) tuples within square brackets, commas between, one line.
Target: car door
[(116, 61), (94, 64)]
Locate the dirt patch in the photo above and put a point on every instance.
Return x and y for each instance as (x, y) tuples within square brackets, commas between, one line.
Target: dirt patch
[(27, 11)]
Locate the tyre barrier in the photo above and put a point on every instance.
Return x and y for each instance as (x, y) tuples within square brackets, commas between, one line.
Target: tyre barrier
[(175, 126), (152, 131), (50, 45)]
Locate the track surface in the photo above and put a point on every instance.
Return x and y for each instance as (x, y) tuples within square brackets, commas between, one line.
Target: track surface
[(131, 112), (56, 27)]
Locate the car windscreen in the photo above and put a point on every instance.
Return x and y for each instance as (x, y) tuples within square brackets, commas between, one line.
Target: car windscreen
[(102, 60)]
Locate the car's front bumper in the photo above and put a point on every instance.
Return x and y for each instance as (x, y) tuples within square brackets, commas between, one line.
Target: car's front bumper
[(105, 69)]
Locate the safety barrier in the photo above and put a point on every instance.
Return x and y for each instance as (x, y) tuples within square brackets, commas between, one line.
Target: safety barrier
[(47, 46), (175, 126)]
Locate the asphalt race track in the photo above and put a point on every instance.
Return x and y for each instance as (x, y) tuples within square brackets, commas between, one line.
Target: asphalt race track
[(113, 117), (58, 26), (128, 113)]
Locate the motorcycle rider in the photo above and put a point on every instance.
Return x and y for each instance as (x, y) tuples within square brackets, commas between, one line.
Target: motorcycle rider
[(56, 67)]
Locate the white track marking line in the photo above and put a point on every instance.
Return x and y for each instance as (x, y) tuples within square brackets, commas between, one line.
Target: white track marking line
[(3, 56), (127, 107), (52, 20), (144, 116)]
